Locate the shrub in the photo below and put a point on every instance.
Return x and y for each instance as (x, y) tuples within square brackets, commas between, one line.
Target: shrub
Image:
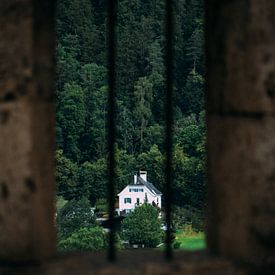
[(176, 245), (85, 239), (142, 226), (188, 216), (73, 216), (101, 205)]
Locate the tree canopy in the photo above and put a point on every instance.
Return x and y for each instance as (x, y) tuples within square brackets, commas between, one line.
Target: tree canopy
[(73, 216), (81, 98), (143, 226)]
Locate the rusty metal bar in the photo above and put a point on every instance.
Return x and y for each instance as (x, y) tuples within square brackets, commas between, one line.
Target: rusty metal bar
[(169, 124), (112, 17)]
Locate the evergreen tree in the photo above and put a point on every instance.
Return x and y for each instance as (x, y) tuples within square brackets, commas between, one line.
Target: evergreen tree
[(143, 96), (194, 93), (71, 119)]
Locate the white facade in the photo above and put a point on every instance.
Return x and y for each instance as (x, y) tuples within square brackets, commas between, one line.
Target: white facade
[(135, 194)]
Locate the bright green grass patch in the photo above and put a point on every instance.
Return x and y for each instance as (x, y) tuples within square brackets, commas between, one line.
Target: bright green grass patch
[(190, 240)]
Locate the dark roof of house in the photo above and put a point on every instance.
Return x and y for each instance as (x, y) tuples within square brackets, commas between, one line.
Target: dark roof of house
[(149, 185)]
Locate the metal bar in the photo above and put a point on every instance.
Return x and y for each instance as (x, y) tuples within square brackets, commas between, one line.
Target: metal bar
[(169, 124), (112, 16)]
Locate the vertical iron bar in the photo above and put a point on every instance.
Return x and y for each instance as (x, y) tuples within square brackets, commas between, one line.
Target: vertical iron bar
[(169, 123), (112, 8)]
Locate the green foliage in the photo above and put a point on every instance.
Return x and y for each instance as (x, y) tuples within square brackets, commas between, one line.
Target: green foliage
[(84, 239), (176, 245), (188, 217), (143, 94), (81, 98), (101, 205), (195, 44), (142, 226), (60, 203), (73, 216), (153, 162), (76, 17), (93, 141), (126, 165), (92, 181), (194, 95), (71, 119), (66, 176)]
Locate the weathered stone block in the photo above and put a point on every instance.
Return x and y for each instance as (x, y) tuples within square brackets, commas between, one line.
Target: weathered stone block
[(241, 56), (26, 131), (149, 262), (26, 180), (241, 154)]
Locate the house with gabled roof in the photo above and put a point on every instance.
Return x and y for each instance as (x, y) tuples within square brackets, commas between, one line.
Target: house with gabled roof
[(137, 192)]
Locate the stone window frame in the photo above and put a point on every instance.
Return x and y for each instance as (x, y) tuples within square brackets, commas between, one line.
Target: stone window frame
[(240, 126)]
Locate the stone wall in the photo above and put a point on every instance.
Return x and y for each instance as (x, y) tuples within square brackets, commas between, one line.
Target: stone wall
[(26, 130), (240, 49), (241, 129)]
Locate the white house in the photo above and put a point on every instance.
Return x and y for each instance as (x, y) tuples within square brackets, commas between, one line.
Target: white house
[(137, 192)]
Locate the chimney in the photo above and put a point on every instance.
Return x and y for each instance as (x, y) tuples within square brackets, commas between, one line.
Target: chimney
[(143, 175), (135, 179)]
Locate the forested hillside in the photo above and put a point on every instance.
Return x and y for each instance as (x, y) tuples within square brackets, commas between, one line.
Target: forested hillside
[(82, 98)]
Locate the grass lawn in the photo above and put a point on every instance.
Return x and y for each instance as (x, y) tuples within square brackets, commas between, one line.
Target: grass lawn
[(190, 241)]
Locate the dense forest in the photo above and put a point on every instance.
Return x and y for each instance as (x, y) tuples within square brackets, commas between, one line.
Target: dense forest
[(81, 91)]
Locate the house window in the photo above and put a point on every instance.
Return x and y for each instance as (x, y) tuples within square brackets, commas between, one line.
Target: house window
[(135, 189), (138, 201), (127, 200)]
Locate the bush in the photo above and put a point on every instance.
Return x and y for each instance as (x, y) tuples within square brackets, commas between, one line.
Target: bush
[(73, 216), (188, 216), (142, 226), (176, 245), (101, 206), (60, 202), (85, 239)]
